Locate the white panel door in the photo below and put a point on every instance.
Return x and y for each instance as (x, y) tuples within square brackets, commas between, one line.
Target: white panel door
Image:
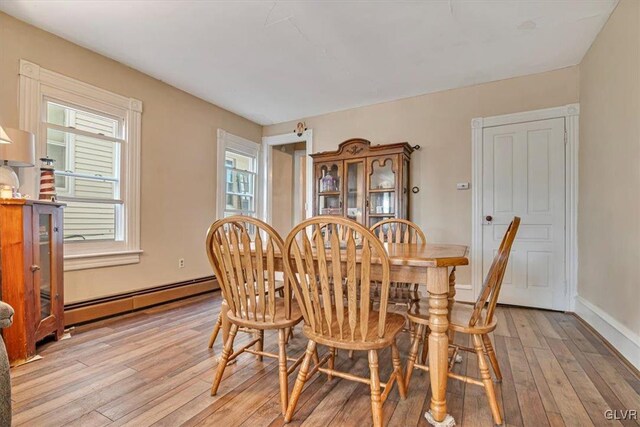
[(524, 175)]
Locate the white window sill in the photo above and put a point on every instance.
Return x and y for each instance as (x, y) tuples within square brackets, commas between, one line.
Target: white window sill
[(97, 260)]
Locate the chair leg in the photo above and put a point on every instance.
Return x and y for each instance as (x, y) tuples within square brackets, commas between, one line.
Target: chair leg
[(486, 379), (332, 361), (413, 353), (425, 345), (282, 370), (300, 380), (492, 357), (350, 354), (289, 335), (224, 358), (376, 395), (260, 344), (397, 367), (216, 330)]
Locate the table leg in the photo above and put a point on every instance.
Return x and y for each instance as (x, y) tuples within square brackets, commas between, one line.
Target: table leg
[(438, 287)]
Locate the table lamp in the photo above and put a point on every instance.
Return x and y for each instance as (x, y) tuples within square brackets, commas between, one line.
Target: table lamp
[(19, 153)]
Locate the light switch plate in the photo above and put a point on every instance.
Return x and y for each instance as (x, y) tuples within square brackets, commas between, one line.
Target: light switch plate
[(462, 186)]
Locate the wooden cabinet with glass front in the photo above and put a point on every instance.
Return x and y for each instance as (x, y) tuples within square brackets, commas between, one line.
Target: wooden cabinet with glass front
[(363, 182)]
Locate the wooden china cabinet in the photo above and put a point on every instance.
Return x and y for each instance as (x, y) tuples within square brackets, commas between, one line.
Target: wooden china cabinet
[(363, 182), (31, 273)]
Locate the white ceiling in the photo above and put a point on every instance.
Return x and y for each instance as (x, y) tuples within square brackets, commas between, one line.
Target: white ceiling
[(277, 61)]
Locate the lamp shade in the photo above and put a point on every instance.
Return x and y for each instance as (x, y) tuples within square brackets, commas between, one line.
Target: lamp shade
[(22, 152), (4, 138)]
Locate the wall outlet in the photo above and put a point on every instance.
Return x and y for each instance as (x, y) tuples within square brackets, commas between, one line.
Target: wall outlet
[(181, 263), (462, 186)]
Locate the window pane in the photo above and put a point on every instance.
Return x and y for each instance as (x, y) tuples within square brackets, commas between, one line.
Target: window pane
[(82, 154), (239, 161), (89, 221), (93, 188), (62, 115)]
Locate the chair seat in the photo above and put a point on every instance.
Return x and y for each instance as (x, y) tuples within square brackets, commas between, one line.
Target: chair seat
[(460, 315), (278, 322), (394, 324)]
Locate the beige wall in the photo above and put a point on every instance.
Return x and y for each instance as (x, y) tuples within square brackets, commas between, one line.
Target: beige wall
[(178, 181), (609, 199), (441, 124)]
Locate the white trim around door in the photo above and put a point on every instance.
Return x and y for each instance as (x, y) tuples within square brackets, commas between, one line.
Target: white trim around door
[(571, 114), (267, 174)]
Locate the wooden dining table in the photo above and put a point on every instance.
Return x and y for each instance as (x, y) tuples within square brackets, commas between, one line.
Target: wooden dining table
[(432, 265)]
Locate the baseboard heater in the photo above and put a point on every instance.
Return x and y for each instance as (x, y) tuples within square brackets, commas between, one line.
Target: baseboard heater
[(100, 308)]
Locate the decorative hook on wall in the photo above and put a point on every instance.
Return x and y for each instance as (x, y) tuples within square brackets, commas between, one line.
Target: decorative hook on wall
[(300, 128), (416, 147)]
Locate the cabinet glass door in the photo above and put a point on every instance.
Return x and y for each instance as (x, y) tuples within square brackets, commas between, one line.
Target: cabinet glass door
[(382, 189), (329, 186), (355, 190), (44, 248), (47, 271)]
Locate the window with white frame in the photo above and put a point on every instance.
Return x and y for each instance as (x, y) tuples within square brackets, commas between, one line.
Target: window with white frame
[(238, 164), (93, 136), (85, 146)]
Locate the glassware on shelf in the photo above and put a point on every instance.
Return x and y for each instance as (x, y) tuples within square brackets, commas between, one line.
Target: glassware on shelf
[(382, 203)]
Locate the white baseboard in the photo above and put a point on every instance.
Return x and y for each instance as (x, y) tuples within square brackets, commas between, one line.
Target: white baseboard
[(619, 336)]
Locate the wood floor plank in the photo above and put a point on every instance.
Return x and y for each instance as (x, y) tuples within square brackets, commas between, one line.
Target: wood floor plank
[(40, 412), (91, 419), (543, 324), (527, 332), (531, 407), (510, 406), (601, 385), (153, 367), (627, 395), (591, 398), (335, 401), (548, 401), (571, 408), (163, 405), (575, 335), (502, 327)]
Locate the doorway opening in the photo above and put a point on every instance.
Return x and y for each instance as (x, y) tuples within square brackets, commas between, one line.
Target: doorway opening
[(287, 184)]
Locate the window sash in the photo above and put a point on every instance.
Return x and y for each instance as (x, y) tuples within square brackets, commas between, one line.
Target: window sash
[(79, 132), (96, 177)]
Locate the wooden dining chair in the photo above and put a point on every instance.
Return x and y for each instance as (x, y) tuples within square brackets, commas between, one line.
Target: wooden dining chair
[(335, 319), (476, 320), (243, 259), (396, 230)]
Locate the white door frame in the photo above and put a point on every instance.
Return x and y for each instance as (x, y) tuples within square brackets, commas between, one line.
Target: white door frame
[(571, 115), (298, 155), (267, 178)]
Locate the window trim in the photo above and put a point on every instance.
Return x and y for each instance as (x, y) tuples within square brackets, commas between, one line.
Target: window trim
[(36, 84), (228, 141)]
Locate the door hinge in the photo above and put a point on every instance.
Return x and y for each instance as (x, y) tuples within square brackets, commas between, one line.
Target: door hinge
[(566, 138)]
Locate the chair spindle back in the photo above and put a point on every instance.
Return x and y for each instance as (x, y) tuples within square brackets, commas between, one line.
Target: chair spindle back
[(493, 282), (397, 230), (242, 251), (320, 270)]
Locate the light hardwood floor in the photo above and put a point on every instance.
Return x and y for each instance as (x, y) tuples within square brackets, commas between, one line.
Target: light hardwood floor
[(153, 367)]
